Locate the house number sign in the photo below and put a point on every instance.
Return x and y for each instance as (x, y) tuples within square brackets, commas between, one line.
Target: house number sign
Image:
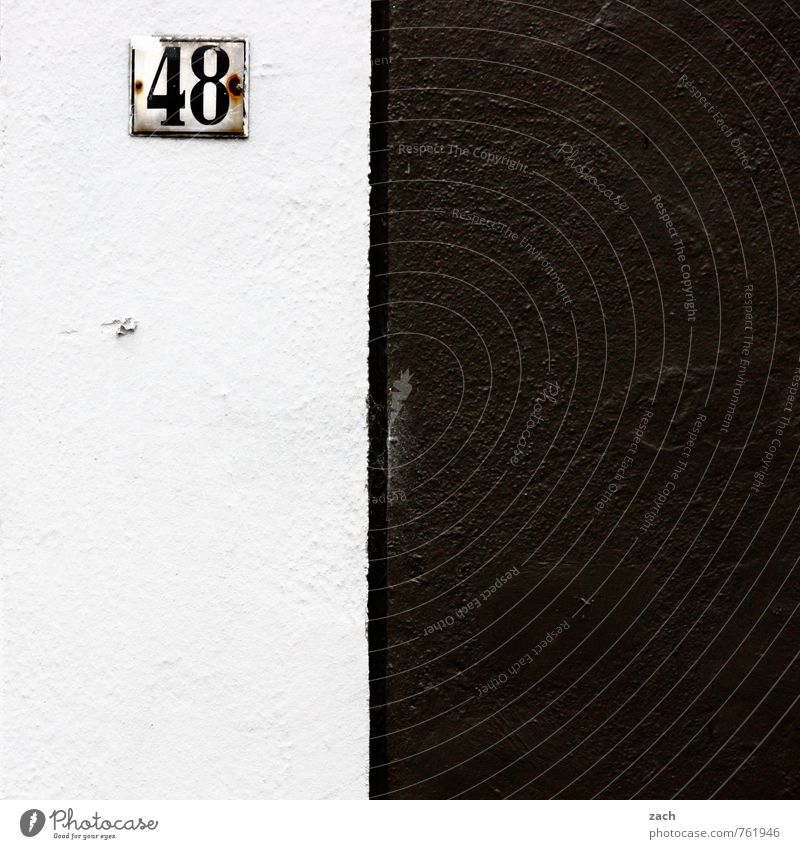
[(188, 86)]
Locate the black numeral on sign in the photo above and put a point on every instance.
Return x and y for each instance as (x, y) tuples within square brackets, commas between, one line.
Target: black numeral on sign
[(198, 67), (174, 100)]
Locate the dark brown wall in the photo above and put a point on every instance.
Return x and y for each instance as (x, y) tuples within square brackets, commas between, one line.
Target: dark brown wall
[(676, 671)]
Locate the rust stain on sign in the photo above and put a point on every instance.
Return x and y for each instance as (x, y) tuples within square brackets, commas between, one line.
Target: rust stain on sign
[(235, 85)]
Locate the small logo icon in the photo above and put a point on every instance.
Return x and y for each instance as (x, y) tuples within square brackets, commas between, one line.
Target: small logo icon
[(31, 822)]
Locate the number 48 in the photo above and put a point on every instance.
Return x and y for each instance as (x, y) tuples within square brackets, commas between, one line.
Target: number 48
[(175, 99)]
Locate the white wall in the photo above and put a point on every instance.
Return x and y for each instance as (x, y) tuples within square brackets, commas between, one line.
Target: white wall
[(183, 509)]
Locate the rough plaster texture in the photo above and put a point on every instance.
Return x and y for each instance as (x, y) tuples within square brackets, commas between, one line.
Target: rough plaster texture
[(183, 508), (679, 674)]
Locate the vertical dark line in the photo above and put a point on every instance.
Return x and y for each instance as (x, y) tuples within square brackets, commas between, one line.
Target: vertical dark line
[(378, 324)]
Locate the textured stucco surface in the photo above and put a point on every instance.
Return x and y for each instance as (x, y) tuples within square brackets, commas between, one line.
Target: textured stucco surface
[(678, 674), (183, 509)]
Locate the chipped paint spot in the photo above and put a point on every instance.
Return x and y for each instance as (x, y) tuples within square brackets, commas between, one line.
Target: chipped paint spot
[(124, 326)]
